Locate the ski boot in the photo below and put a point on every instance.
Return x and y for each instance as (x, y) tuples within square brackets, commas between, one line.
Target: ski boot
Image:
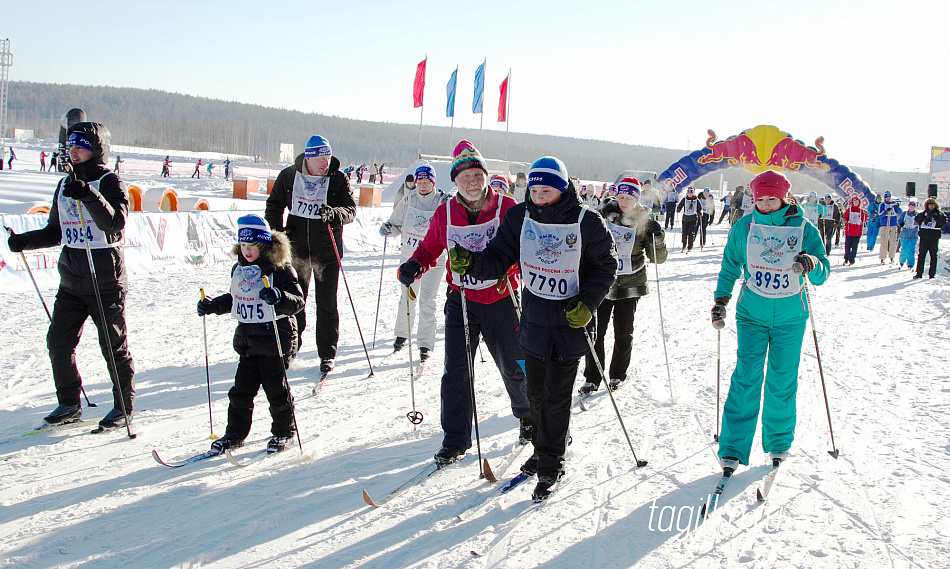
[(114, 419), (424, 354), (448, 455), (399, 343), (616, 384), (526, 432), (64, 414), (326, 365), (278, 443), (228, 441), (587, 389), (530, 466), (729, 464), (543, 490)]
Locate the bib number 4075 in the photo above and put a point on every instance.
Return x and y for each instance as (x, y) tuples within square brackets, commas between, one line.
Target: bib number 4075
[(253, 311), (766, 280)]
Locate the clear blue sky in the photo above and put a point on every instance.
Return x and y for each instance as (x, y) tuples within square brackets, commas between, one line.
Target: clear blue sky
[(868, 76)]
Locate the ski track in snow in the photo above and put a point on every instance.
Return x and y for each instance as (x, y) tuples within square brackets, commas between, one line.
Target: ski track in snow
[(70, 499)]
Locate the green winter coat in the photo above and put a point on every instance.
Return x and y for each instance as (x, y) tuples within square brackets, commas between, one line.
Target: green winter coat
[(751, 307)]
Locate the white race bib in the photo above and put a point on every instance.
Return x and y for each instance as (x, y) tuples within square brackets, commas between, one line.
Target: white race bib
[(625, 238), (746, 202), (246, 303), (551, 257), (70, 226), (770, 254), (931, 224), (854, 217), (310, 192), (415, 226), (828, 212), (473, 238), (690, 207)]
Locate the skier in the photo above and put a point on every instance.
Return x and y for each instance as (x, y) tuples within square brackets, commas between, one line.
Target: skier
[(408, 186), (42, 161), (318, 200), (52, 162), (359, 173), (210, 167), (908, 235), (166, 167), (726, 201), (853, 219), (738, 198), (227, 168), (811, 209), (12, 158), (931, 221), (590, 199), (569, 261), (102, 196), (197, 171), (827, 220), (874, 224), (410, 218), (500, 184), (649, 198), (692, 208), (669, 204), (521, 187), (636, 235), (472, 217), (887, 215), (118, 160), (709, 213), (770, 321), (260, 254)]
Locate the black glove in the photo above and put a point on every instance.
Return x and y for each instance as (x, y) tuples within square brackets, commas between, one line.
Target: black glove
[(654, 229), (205, 307), (270, 295), (409, 272), (718, 313), (326, 214), (77, 189), (804, 264), (15, 242)]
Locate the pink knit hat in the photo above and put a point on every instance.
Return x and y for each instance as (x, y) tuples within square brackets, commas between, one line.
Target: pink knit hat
[(770, 184)]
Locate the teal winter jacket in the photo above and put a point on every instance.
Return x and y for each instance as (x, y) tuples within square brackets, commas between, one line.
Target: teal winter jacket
[(752, 307)]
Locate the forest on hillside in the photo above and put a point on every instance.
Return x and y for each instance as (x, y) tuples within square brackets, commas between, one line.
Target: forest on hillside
[(159, 119)]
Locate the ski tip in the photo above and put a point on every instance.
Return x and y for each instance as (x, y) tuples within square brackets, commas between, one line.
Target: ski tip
[(833, 453), (486, 469), (476, 554), (758, 495), (231, 460), (368, 500)]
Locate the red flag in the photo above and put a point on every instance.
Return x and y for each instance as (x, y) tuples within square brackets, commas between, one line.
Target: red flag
[(503, 102), (419, 84)]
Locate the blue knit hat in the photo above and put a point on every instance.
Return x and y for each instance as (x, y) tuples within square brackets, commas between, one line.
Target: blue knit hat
[(548, 171), (500, 183), (253, 229), (629, 187), (425, 171), (887, 194), (79, 139), (317, 146)]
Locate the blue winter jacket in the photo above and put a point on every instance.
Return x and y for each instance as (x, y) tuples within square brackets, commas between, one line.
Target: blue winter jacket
[(750, 306), (888, 214), (908, 225)]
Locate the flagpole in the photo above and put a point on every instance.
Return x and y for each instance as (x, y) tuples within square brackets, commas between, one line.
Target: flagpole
[(482, 114), (421, 108), (507, 112)]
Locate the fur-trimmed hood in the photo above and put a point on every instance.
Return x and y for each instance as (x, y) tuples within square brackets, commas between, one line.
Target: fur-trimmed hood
[(277, 254), (927, 202)]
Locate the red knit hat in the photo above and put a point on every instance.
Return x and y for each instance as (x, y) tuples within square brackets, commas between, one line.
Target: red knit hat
[(770, 184)]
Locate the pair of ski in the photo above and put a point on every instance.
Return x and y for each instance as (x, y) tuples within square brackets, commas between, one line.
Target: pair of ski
[(761, 494), (211, 454)]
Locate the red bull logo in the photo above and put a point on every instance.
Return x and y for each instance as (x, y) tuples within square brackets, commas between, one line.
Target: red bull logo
[(738, 150), (792, 155)]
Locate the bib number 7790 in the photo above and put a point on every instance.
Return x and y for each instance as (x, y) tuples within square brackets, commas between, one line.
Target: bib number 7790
[(768, 279), (539, 282)]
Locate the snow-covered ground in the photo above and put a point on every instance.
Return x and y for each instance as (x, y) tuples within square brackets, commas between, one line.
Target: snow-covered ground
[(72, 499)]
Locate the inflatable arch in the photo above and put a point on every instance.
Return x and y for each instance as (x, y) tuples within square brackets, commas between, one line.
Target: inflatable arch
[(763, 148), (160, 199), (135, 198)]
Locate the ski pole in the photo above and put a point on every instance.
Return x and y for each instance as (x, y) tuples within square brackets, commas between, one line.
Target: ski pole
[(718, 356), (36, 287), (382, 269), (353, 306), (469, 357), (280, 354), (603, 377), (514, 300), (102, 312), (821, 373), (666, 354), (415, 417), (204, 325)]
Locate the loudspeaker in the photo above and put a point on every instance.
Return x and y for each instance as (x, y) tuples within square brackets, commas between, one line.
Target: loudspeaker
[(911, 190), (932, 191)]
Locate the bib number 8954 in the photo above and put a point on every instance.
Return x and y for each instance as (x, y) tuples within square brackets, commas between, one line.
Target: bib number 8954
[(775, 281)]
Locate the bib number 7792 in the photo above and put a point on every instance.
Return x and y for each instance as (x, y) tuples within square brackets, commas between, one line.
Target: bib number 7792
[(768, 279)]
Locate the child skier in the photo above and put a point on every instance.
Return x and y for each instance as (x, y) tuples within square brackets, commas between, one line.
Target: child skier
[(772, 249), (853, 218), (908, 235), (260, 253), (568, 260)]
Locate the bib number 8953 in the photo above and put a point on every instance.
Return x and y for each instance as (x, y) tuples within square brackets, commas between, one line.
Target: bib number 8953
[(775, 281), (552, 283)]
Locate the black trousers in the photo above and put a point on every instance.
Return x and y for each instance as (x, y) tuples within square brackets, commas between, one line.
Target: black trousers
[(724, 213), (69, 315), (851, 247), (326, 279), (827, 228), (498, 323), (690, 225), (706, 222), (254, 372), (623, 313), (550, 390), (928, 245), (670, 215)]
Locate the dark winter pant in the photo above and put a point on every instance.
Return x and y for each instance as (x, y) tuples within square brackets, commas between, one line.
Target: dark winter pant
[(254, 372), (623, 313), (550, 390), (498, 323), (690, 224), (707, 221), (851, 247), (69, 314), (670, 215), (724, 213), (326, 279), (827, 228), (928, 245)]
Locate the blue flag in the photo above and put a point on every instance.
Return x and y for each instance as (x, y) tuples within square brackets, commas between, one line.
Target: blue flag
[(479, 88), (450, 94)]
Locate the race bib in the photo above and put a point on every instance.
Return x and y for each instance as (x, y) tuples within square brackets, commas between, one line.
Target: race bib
[(929, 223), (854, 218), (309, 194), (551, 257), (770, 254), (71, 226), (625, 238), (246, 303), (473, 238), (415, 226)]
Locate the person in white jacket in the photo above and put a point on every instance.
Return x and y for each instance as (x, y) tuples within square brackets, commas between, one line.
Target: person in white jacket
[(410, 218)]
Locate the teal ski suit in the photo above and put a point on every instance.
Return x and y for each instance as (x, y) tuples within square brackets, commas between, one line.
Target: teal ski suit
[(770, 328)]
